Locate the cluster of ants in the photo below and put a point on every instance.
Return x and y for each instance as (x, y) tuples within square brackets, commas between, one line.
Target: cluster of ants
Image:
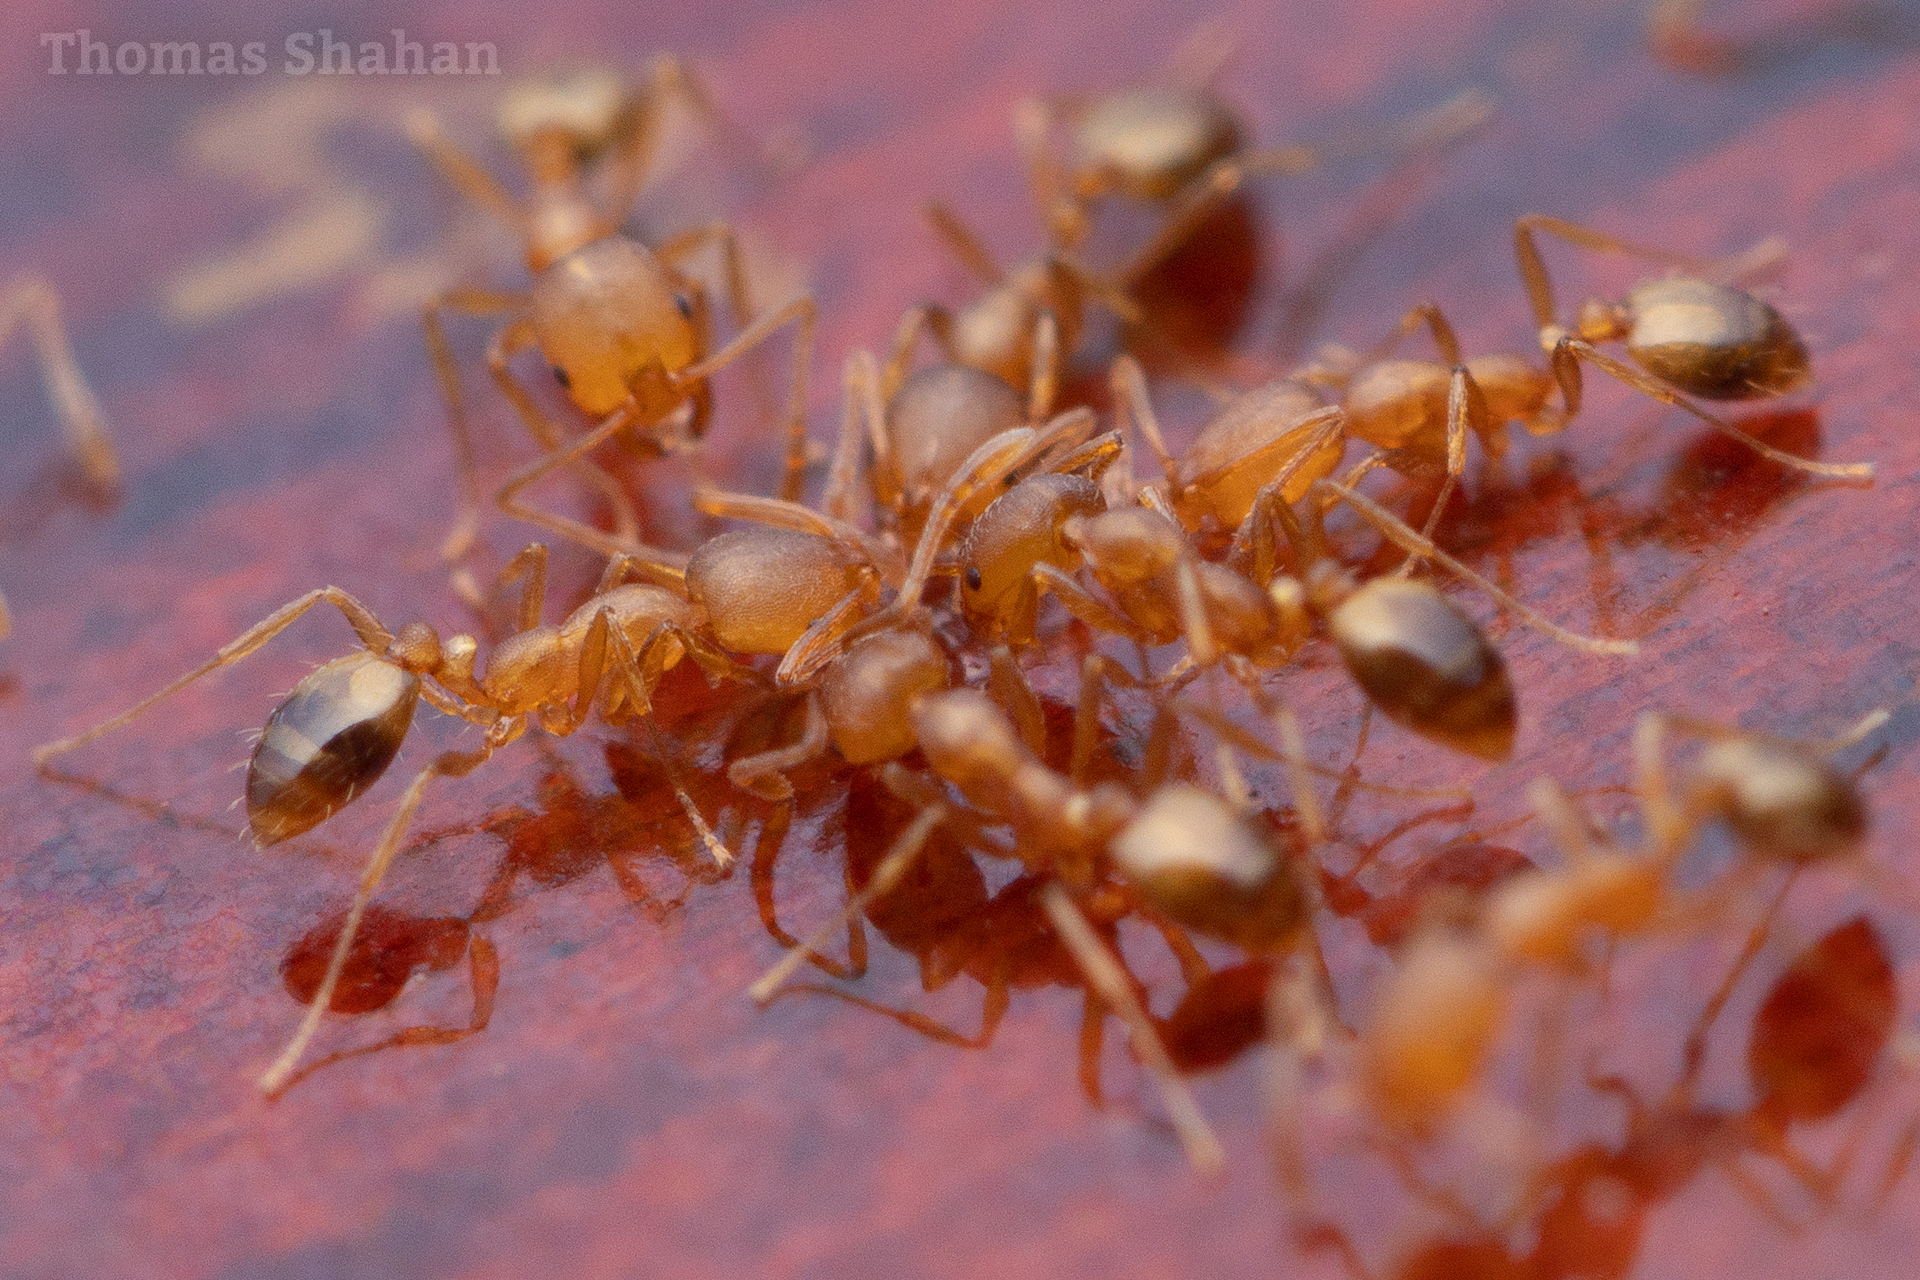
[(902, 615)]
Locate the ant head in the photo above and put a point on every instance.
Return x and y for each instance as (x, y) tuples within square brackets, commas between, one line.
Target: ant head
[(1021, 529), (615, 323)]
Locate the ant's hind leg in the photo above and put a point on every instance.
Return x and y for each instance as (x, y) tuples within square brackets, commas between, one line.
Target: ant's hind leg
[(960, 240), (30, 300), (372, 634), (608, 544), (1107, 979), (471, 302), (804, 313), (452, 764), (1397, 531), (483, 979), (464, 172), (1533, 267), (1568, 352)]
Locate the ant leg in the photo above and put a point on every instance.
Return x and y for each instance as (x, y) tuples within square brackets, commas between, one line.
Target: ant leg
[(1096, 674), (723, 234), (1066, 271), (1429, 314), (804, 313), (1093, 1017), (1064, 217), (1044, 381), (1693, 1054), (31, 300), (887, 875), (464, 172), (1198, 61), (984, 468), (509, 341), (1108, 979), (823, 641), (1130, 400), (483, 979), (452, 764), (932, 1028), (1466, 410), (1666, 825), (764, 773), (929, 316), (963, 244), (1397, 532), (472, 302), (586, 535), (1306, 462), (6, 618), (605, 651), (1568, 351), (669, 76), (1007, 686), (782, 513), (1092, 458), (1087, 607), (1533, 267), (843, 474), (530, 561), (372, 634)]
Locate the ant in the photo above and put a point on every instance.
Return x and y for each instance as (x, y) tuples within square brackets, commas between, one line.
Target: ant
[(1689, 334), (30, 300), (331, 738), (625, 332), (1178, 146), (1437, 1015), (1816, 1041)]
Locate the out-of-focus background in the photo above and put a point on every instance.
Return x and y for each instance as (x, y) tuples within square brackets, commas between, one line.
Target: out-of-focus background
[(240, 259)]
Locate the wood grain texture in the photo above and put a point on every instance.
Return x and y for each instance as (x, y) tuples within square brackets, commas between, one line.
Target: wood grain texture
[(629, 1111)]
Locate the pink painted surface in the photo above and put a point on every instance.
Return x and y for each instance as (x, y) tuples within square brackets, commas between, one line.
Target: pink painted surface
[(629, 1111)]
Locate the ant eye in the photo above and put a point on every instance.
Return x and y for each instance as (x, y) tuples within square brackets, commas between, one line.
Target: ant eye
[(560, 376), (686, 308), (973, 577)]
